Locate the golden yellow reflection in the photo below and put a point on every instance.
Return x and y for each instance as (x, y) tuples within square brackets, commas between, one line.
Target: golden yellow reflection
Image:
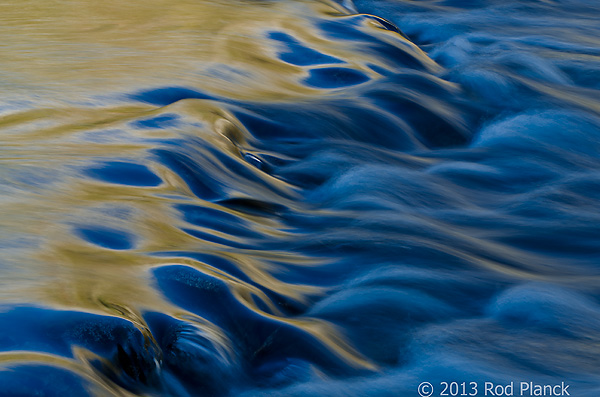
[(67, 69)]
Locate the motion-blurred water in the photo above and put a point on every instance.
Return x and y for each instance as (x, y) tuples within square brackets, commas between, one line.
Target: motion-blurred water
[(243, 197)]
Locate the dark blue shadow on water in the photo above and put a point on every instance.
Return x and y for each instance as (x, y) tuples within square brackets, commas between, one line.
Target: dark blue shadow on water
[(167, 95), (260, 341), (40, 380), (106, 237), (193, 362), (125, 356), (335, 77), (56, 332), (124, 173), (350, 29), (284, 304), (298, 54), (221, 221), (158, 122), (184, 164), (298, 130)]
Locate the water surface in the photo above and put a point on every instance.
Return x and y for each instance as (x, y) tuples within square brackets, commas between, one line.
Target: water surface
[(298, 197)]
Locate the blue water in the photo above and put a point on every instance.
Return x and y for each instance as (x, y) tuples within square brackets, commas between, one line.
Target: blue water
[(387, 193)]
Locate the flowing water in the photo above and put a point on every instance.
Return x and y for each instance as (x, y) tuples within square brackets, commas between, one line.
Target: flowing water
[(298, 197)]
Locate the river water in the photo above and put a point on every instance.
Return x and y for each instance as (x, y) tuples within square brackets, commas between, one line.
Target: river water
[(288, 197)]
